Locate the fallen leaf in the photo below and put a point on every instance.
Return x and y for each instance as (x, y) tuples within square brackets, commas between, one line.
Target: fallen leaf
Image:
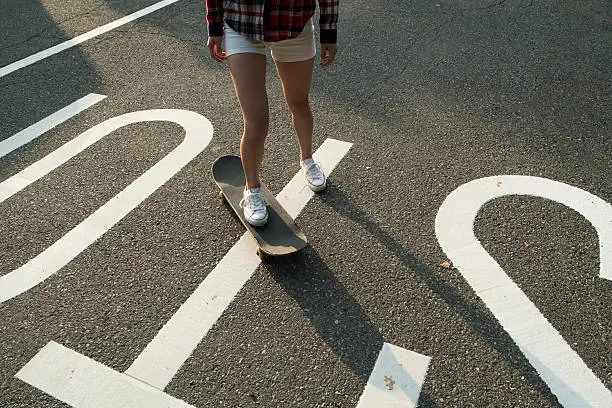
[(499, 183), (390, 382), (447, 265)]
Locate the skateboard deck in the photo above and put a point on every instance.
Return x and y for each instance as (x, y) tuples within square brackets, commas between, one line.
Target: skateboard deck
[(280, 236)]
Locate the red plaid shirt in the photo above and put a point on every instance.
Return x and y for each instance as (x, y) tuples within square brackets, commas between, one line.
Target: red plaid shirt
[(271, 20)]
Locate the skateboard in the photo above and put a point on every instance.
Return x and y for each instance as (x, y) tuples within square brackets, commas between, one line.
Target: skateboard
[(280, 236)]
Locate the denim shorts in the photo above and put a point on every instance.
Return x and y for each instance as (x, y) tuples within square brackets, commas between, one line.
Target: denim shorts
[(300, 48)]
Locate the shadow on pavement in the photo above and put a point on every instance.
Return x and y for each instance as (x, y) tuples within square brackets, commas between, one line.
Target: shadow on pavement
[(336, 315), (504, 73), (481, 323), (36, 91), (324, 301)]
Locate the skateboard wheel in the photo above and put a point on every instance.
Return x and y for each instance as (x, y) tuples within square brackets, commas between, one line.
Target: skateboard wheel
[(222, 197), (262, 255)]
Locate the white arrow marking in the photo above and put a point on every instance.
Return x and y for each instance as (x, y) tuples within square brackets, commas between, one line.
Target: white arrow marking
[(198, 134), (32, 132), (560, 367), (82, 38), (396, 380)]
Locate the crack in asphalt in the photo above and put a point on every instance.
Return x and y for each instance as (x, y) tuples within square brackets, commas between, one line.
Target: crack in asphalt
[(385, 80), (436, 34), (158, 34), (490, 6)]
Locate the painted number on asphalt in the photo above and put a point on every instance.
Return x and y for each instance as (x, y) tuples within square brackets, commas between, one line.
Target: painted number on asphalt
[(198, 134), (560, 367), (81, 381)]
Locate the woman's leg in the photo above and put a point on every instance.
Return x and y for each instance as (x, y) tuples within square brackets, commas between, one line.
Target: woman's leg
[(249, 74), (296, 78)]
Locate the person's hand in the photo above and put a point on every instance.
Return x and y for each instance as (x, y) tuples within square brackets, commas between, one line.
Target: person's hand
[(328, 53), (215, 47)]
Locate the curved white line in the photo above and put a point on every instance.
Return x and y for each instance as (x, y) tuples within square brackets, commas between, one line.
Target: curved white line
[(198, 134), (560, 367), (143, 382)]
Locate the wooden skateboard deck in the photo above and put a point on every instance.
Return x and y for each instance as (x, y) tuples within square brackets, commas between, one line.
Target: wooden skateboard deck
[(280, 236)]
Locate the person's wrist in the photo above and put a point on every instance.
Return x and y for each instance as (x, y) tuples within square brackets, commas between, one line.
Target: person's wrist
[(215, 29), (329, 36)]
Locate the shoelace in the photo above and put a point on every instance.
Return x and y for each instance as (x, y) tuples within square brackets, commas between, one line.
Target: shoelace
[(254, 202), (314, 171)]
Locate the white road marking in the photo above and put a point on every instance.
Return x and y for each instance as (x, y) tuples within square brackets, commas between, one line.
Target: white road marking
[(175, 342), (32, 132), (396, 380), (82, 38), (560, 367), (198, 134), (65, 374)]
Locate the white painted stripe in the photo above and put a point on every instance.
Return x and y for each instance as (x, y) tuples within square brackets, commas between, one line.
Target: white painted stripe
[(82, 38), (198, 134), (176, 341), (84, 383), (32, 132), (396, 380), (560, 367), (296, 194), (179, 337)]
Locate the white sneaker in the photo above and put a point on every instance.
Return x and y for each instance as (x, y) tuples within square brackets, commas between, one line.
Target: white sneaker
[(315, 178), (254, 207)]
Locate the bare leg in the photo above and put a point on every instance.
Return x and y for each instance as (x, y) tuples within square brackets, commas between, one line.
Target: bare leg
[(296, 78), (249, 74)]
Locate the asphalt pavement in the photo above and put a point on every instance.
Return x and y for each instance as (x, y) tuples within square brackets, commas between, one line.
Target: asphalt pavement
[(431, 94)]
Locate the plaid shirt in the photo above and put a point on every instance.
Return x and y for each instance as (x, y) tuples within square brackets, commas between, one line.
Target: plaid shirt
[(271, 20)]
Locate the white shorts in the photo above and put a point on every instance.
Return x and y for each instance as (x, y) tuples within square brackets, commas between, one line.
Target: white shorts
[(300, 48)]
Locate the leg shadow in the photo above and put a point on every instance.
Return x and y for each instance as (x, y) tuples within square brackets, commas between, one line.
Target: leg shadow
[(486, 327), (338, 318)]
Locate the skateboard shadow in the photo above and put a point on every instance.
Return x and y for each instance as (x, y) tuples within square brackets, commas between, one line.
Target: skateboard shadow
[(324, 300), (480, 322), (338, 318)]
